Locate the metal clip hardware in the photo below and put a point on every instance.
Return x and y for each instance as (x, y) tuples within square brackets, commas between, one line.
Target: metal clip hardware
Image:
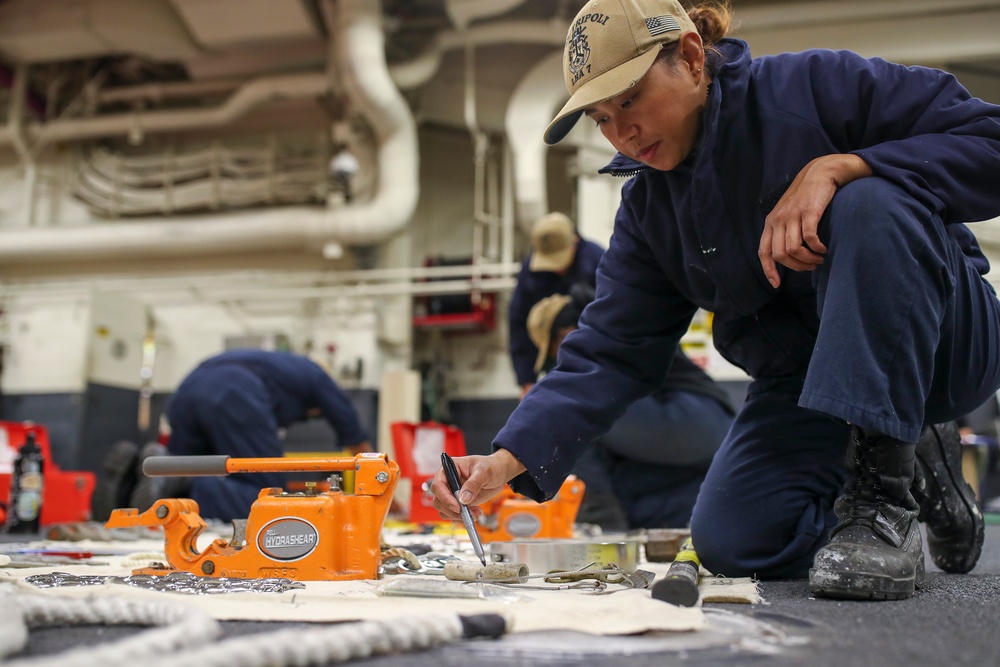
[(175, 582)]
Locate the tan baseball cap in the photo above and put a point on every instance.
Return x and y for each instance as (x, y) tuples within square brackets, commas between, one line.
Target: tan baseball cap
[(553, 243), (610, 46), (540, 320)]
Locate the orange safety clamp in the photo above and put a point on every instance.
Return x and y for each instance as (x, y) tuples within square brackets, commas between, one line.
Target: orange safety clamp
[(511, 516), (310, 536)]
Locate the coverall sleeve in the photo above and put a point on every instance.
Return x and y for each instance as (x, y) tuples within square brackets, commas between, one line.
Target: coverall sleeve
[(916, 127), (621, 352), (338, 410)]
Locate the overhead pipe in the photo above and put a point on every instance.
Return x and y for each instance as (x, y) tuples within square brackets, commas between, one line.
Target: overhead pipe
[(359, 40), (361, 37), (244, 100), (464, 12), (419, 70), (250, 95), (32, 101), (15, 125), (166, 90), (420, 281), (535, 100)]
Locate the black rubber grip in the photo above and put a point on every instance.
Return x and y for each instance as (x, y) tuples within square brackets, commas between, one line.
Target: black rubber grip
[(483, 625), (185, 466), (679, 587)]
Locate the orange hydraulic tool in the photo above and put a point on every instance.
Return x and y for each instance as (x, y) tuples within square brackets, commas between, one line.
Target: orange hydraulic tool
[(307, 536), (511, 516)]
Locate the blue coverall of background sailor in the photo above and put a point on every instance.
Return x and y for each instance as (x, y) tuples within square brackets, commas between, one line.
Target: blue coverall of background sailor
[(234, 403), (896, 329), (655, 457), (532, 287)]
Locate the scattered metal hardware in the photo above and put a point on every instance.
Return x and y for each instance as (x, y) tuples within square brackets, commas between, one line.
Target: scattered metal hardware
[(585, 586), (432, 562), (639, 579), (175, 582), (607, 573), (393, 559)]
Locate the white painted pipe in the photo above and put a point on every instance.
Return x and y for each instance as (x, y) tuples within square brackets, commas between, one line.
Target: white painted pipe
[(164, 91), (532, 105), (419, 70), (245, 99), (371, 92), (464, 12)]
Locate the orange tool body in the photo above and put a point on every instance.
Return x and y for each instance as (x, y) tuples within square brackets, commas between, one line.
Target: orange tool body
[(511, 516), (311, 536)]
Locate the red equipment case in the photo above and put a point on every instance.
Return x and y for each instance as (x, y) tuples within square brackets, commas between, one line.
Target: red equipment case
[(65, 494), (417, 449)]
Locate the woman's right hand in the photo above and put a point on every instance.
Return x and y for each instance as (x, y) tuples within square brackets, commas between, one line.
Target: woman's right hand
[(482, 477)]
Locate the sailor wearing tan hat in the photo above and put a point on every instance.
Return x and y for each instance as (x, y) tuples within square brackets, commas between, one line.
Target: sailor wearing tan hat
[(553, 241), (646, 471), (815, 202), (559, 259), (544, 332)]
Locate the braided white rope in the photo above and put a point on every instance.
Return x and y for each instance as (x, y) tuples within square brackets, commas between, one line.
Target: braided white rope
[(13, 629), (178, 626), (323, 645), (185, 633)]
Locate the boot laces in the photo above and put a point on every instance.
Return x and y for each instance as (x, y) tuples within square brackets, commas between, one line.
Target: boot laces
[(866, 487)]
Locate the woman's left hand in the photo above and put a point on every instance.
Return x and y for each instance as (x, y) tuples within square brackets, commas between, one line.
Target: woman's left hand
[(791, 236)]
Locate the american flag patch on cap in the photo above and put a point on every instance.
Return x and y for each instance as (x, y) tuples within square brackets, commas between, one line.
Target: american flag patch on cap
[(661, 24)]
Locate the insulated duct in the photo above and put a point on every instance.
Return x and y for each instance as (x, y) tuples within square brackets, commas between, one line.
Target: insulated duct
[(535, 100), (244, 100), (464, 12), (358, 41), (417, 71)]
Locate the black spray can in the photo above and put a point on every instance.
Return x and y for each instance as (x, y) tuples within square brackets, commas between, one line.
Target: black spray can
[(24, 508)]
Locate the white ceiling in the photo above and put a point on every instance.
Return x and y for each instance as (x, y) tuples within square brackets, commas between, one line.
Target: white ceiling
[(67, 43)]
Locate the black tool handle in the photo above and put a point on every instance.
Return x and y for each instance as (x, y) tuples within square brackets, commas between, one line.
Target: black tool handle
[(186, 466), (680, 585)]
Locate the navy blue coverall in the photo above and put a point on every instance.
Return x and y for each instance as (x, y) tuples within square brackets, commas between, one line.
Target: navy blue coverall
[(532, 287), (897, 328), (234, 403)]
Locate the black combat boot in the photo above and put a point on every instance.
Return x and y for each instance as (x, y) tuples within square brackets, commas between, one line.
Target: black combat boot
[(875, 552), (948, 506), (115, 481), (148, 490)]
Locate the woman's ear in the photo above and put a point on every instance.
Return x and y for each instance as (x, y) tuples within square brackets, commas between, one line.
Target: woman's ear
[(691, 51)]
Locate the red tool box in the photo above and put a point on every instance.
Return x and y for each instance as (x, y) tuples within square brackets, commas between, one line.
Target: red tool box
[(65, 494), (417, 448)]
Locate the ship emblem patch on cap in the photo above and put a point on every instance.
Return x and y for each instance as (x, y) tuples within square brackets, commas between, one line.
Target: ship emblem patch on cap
[(578, 53), (578, 49)]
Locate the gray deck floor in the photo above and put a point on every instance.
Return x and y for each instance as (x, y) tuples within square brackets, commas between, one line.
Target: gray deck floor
[(954, 620)]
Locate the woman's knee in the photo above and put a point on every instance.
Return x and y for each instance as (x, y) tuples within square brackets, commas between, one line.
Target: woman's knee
[(769, 541), (721, 547), (873, 207)]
